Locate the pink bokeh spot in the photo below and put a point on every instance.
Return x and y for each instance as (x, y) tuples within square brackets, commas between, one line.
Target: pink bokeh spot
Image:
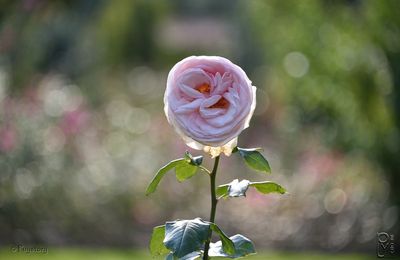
[(8, 139), (73, 122)]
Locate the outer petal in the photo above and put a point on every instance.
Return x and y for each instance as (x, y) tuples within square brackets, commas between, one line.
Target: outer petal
[(252, 107)]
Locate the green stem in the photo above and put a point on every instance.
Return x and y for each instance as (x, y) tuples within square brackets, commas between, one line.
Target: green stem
[(204, 169), (214, 202)]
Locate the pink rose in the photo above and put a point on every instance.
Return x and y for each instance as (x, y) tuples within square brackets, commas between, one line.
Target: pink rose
[(209, 101)]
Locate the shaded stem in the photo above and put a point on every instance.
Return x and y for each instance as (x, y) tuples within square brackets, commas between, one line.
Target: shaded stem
[(214, 202)]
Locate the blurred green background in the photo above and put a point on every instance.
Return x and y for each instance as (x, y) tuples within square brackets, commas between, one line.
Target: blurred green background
[(82, 128)]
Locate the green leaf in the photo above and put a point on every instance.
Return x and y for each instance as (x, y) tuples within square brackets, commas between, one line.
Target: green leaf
[(227, 244), (161, 172), (238, 188), (266, 187), (254, 159), (183, 237), (194, 160), (156, 242), (184, 170), (222, 191), (243, 247)]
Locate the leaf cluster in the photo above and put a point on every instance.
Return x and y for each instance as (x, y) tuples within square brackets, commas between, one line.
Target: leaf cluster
[(185, 239)]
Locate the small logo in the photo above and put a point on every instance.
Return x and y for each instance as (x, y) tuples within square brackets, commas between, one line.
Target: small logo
[(385, 245)]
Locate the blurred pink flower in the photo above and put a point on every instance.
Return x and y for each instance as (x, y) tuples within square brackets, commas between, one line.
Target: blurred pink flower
[(209, 101), (73, 122), (8, 139), (319, 165)]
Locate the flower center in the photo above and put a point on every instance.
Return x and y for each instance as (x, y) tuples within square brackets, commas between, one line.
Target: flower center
[(222, 103), (203, 88)]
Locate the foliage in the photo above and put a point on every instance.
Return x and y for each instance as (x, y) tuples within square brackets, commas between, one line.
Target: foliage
[(186, 238), (237, 189)]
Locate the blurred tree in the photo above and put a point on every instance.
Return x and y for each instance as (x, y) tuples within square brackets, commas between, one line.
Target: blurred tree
[(334, 67)]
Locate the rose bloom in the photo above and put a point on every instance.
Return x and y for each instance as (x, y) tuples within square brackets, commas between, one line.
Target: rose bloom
[(209, 101)]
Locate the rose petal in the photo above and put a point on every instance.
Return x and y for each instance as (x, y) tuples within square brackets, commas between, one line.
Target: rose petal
[(190, 92), (194, 77), (222, 83), (211, 112), (190, 107)]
